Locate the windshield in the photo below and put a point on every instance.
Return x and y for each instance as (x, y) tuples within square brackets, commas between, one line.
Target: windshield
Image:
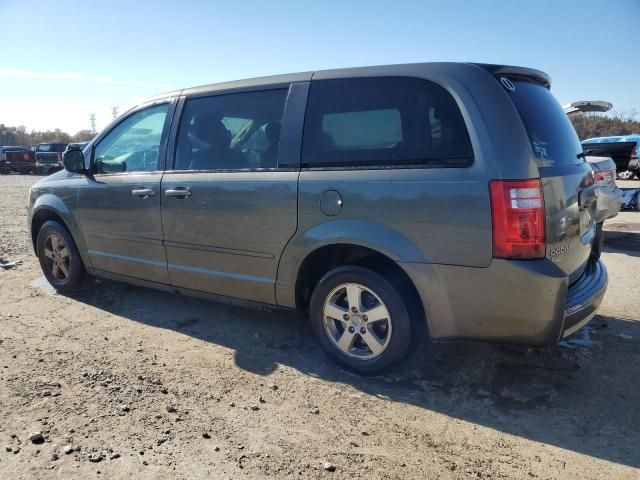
[(553, 139)]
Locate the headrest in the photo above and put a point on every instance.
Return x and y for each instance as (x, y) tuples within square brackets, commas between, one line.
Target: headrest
[(211, 131)]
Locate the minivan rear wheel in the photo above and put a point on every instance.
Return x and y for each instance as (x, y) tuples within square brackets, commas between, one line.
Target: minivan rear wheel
[(360, 319), (59, 257)]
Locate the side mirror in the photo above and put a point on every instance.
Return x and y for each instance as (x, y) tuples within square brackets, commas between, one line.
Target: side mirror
[(73, 161)]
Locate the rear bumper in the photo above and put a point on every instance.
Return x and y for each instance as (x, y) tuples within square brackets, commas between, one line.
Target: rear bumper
[(47, 166), (23, 167), (584, 297), (518, 302)]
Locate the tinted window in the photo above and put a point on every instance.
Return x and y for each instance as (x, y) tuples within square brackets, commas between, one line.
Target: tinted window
[(51, 147), (134, 144), (553, 139), (231, 132), (383, 121)]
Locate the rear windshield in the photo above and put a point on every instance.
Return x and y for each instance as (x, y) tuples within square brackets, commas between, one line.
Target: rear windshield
[(553, 139), (51, 147)]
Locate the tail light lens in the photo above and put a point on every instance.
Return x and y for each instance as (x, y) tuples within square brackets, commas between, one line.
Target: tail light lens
[(604, 178), (634, 151), (25, 156), (517, 211), (59, 156)]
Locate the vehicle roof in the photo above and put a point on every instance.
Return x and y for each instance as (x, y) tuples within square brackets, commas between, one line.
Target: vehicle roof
[(399, 69), (633, 137), (13, 146)]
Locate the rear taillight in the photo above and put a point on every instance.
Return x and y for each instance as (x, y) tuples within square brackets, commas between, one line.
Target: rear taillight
[(25, 156), (517, 212), (604, 178), (634, 151), (59, 156)]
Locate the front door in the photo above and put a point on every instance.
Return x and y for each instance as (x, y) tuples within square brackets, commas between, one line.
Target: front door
[(119, 204), (229, 207)]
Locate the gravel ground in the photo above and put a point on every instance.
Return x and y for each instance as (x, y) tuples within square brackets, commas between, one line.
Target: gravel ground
[(123, 381)]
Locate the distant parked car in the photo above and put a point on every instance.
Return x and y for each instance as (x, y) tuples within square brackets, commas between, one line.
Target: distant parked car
[(49, 156), (622, 149), (609, 196), (16, 159)]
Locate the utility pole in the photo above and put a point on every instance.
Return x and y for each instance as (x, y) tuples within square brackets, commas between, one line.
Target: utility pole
[(114, 112), (92, 122)]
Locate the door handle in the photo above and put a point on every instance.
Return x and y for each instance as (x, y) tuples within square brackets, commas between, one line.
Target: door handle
[(143, 192), (178, 192)]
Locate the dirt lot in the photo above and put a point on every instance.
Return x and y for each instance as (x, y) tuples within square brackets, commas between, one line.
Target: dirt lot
[(152, 385)]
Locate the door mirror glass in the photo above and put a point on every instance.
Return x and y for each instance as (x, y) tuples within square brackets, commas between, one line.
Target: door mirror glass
[(73, 161)]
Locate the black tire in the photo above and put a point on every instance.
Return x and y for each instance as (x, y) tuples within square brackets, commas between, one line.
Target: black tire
[(74, 266), (598, 241), (399, 308)]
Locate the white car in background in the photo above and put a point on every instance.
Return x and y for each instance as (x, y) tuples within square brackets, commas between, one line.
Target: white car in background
[(609, 196)]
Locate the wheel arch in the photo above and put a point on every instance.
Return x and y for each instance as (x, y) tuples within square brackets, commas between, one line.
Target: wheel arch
[(50, 207), (339, 235), (325, 258)]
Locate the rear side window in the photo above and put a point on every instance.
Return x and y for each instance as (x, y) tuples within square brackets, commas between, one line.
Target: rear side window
[(383, 121), (235, 131), (553, 139), (51, 147)]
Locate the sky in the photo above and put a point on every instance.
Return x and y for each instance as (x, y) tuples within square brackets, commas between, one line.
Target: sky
[(62, 60)]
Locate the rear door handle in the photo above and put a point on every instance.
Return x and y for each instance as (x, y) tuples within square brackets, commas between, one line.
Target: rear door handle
[(143, 192), (178, 192)]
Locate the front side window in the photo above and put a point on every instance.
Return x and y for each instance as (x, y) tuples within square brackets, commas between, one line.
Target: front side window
[(235, 131), (134, 144), (383, 121)]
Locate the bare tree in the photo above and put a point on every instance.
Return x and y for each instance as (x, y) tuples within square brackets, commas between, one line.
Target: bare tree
[(92, 122), (114, 112)]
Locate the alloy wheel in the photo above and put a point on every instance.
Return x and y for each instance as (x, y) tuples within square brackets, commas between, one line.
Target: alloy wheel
[(57, 257), (357, 321)]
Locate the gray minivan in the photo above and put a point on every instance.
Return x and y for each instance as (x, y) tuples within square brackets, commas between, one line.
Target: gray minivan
[(442, 199)]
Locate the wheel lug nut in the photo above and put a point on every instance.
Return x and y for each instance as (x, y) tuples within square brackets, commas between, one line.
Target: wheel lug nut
[(345, 316), (351, 329), (354, 309), (363, 330), (364, 317)]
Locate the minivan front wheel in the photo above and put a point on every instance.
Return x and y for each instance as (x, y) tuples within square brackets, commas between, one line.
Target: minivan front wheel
[(361, 320), (59, 257)]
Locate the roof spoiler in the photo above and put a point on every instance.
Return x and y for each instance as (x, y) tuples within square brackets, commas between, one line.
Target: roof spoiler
[(530, 74)]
